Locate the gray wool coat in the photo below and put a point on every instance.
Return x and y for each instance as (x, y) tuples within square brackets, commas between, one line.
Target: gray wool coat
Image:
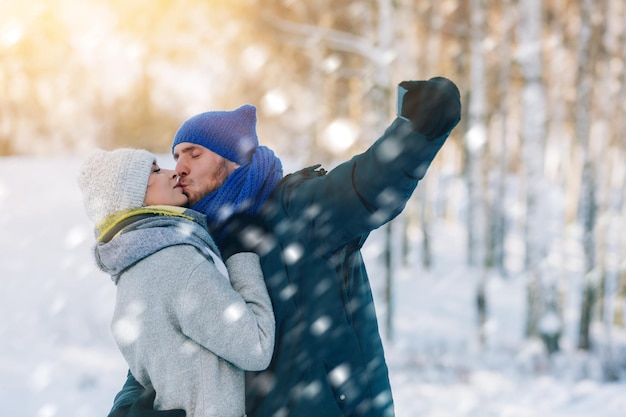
[(189, 331)]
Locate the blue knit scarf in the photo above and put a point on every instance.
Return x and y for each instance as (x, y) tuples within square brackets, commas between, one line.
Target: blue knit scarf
[(244, 191)]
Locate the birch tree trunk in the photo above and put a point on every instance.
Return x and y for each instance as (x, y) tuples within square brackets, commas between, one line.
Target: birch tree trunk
[(406, 13), (428, 68), (476, 138), (609, 160), (533, 139), (475, 144), (498, 195), (620, 187), (558, 148), (587, 200)]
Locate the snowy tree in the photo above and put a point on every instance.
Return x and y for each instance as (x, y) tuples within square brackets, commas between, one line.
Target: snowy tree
[(587, 201), (475, 148), (540, 292)]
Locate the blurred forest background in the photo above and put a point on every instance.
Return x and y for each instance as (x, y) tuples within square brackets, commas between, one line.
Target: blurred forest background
[(536, 170)]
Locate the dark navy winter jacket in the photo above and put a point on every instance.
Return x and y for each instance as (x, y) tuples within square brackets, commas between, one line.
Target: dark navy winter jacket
[(328, 359)]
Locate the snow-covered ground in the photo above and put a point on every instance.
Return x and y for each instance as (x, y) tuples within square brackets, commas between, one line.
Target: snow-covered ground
[(57, 358)]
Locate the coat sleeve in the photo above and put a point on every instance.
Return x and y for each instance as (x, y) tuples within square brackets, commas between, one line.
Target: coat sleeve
[(233, 319), (127, 396), (365, 192)]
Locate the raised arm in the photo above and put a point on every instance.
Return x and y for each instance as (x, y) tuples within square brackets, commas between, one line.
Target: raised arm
[(372, 188)]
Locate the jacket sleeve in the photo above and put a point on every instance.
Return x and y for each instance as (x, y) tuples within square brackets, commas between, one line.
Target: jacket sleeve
[(365, 192), (129, 393), (233, 319)]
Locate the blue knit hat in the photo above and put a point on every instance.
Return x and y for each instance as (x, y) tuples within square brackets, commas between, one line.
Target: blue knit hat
[(231, 134)]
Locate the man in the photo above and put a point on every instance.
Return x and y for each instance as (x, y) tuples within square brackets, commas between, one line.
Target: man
[(308, 228)]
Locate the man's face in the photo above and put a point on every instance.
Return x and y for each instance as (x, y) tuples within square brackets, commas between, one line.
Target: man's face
[(201, 170)]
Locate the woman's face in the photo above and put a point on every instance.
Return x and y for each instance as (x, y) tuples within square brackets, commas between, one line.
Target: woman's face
[(163, 189)]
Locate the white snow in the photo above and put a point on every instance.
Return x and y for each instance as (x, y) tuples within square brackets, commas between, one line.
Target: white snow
[(58, 359)]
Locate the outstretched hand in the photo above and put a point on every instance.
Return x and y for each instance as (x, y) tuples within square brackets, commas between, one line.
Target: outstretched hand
[(433, 106), (143, 407)]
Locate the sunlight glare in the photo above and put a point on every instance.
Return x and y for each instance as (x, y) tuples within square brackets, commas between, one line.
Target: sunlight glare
[(75, 237), (476, 138), (48, 410), (339, 136), (275, 102), (189, 347), (234, 312), (293, 253), (321, 325), (10, 33), (331, 64), (288, 292), (254, 58), (339, 375), (312, 390), (42, 376), (126, 330)]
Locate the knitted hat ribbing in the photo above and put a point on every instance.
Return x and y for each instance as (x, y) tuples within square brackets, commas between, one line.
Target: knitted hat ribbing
[(111, 181), (231, 134)]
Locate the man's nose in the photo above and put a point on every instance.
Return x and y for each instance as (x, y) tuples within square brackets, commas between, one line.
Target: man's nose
[(180, 169)]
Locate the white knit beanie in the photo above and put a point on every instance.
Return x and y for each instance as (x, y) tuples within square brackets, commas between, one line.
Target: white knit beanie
[(114, 180)]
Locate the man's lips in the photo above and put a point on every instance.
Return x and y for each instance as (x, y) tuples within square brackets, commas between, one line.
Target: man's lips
[(182, 187)]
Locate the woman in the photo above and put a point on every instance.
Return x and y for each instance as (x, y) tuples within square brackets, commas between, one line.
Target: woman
[(187, 324)]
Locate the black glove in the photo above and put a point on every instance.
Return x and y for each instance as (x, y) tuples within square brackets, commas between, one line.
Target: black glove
[(143, 407), (433, 106)]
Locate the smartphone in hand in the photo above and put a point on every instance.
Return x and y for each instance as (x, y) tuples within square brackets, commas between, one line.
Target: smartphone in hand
[(401, 91)]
